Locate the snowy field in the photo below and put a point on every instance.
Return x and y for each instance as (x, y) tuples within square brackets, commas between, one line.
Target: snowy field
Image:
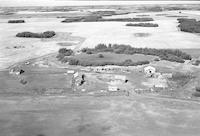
[(166, 35)]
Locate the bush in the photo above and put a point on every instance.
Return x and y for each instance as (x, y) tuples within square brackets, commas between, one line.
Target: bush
[(196, 94), (60, 56), (88, 52), (197, 88), (73, 61), (100, 56), (22, 81), (196, 62), (65, 52), (156, 59), (16, 21), (47, 34), (172, 58), (100, 47)]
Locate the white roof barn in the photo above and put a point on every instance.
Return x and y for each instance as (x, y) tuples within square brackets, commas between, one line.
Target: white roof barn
[(149, 71)]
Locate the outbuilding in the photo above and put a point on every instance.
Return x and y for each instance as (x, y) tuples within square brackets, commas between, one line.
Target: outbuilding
[(113, 88), (16, 71), (149, 71)]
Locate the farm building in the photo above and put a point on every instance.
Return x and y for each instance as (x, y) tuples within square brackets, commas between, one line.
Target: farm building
[(149, 71), (70, 72), (107, 68), (16, 71), (113, 88)]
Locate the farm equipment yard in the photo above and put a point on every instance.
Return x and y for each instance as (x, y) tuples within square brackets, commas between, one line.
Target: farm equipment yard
[(107, 70)]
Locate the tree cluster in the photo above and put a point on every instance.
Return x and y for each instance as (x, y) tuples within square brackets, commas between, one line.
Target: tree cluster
[(97, 18), (92, 18), (16, 21), (47, 34), (164, 54), (189, 25), (144, 19), (63, 52), (143, 25)]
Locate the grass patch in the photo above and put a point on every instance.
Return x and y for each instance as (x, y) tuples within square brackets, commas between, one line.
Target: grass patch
[(193, 52), (142, 34), (65, 44), (107, 58), (181, 79), (113, 57)]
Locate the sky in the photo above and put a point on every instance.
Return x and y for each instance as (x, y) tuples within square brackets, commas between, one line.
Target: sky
[(87, 2)]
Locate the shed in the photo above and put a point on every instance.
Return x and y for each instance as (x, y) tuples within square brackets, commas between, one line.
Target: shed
[(70, 71), (76, 74), (113, 88), (149, 71)]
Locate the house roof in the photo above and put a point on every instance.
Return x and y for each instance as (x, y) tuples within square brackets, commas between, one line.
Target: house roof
[(149, 68)]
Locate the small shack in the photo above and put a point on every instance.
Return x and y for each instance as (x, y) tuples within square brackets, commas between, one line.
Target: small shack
[(149, 71)]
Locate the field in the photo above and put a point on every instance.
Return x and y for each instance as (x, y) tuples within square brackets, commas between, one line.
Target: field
[(38, 82), (194, 52), (93, 33), (112, 57), (60, 116)]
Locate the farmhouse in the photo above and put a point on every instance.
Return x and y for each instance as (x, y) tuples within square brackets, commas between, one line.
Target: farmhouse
[(149, 71)]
